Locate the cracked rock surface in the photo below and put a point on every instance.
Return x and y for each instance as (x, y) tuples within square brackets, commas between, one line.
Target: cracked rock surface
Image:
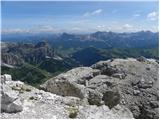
[(129, 82), (22, 101), (117, 88)]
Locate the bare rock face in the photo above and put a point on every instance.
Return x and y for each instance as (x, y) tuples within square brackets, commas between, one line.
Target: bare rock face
[(72, 83), (11, 59), (40, 104), (21, 101), (87, 84), (137, 85), (16, 54), (63, 88), (9, 99), (129, 82), (5, 77), (103, 112), (118, 88), (94, 97)]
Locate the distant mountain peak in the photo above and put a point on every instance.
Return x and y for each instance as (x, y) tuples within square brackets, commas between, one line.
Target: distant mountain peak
[(42, 44)]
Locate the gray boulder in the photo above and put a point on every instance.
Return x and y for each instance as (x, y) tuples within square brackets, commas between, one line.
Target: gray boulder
[(64, 87), (141, 59), (94, 97), (72, 83), (9, 100), (13, 107), (5, 77)]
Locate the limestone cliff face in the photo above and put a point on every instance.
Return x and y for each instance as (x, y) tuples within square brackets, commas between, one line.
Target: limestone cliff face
[(15, 54), (11, 59), (40, 52)]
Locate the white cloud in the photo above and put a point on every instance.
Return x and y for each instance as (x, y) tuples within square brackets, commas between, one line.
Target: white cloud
[(96, 12), (101, 26), (33, 29), (136, 15), (155, 28), (127, 26), (16, 30), (76, 28), (43, 28), (152, 16)]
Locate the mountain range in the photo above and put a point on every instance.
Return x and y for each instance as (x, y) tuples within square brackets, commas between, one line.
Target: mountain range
[(98, 39), (41, 56)]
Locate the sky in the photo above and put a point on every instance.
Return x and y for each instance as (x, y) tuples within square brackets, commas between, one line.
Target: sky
[(79, 17)]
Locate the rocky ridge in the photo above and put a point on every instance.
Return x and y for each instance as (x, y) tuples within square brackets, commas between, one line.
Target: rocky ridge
[(22, 101), (118, 88), (129, 82)]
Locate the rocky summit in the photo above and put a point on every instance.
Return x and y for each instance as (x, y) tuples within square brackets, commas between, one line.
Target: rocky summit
[(117, 88)]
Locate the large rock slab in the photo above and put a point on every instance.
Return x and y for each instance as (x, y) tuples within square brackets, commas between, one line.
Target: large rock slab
[(137, 83), (129, 82), (64, 87), (9, 99), (72, 83)]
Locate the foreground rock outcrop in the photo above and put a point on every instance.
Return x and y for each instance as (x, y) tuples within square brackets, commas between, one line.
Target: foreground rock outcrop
[(137, 84), (118, 88), (132, 83), (9, 99), (22, 101)]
